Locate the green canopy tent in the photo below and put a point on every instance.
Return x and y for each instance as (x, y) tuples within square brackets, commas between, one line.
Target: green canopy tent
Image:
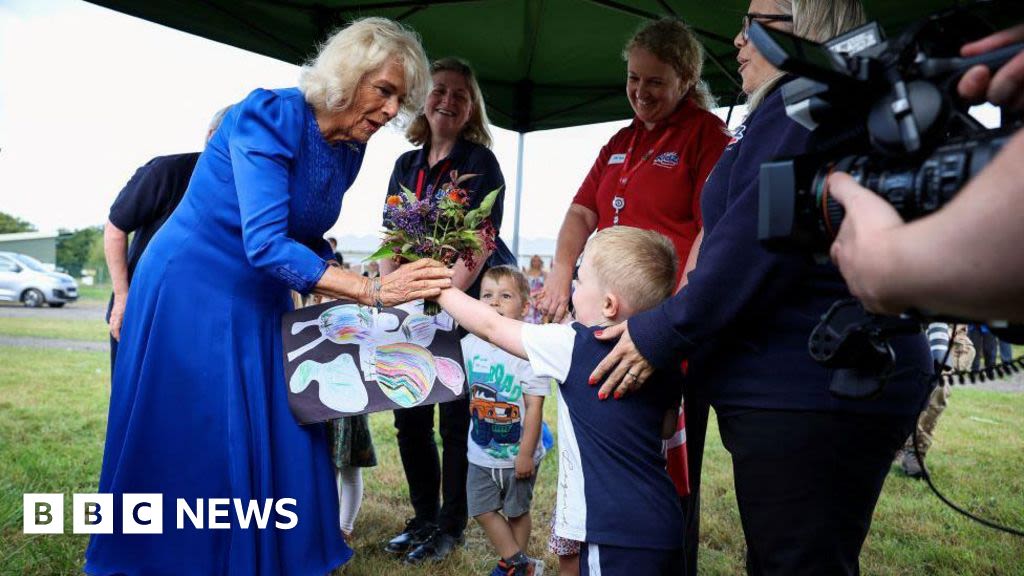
[(542, 64)]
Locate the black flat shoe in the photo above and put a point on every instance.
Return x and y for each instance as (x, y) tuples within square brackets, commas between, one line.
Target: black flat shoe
[(415, 534), (437, 548)]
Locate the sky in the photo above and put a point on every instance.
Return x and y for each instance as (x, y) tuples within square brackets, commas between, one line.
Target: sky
[(87, 95)]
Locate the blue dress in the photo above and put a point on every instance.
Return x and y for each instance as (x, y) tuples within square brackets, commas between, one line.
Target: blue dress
[(198, 408)]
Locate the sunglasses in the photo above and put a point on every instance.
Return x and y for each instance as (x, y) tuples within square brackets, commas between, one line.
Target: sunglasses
[(751, 16)]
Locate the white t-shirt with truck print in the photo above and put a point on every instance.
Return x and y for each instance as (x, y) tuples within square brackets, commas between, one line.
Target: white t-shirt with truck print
[(497, 381)]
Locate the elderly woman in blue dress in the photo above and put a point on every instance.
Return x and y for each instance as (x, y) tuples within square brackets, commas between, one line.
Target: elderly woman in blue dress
[(198, 406)]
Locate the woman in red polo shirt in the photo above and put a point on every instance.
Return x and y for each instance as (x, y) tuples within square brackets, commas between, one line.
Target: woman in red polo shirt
[(650, 175)]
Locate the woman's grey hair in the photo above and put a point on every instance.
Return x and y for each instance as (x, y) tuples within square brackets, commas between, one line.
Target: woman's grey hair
[(672, 42), (817, 20), (476, 129), (329, 80)]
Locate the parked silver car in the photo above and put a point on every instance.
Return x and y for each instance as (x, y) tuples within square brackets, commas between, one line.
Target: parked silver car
[(24, 279)]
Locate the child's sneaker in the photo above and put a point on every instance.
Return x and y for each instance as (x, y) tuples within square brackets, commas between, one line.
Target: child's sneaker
[(531, 567)]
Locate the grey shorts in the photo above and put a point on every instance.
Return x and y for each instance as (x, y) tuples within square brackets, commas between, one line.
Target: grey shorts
[(493, 489)]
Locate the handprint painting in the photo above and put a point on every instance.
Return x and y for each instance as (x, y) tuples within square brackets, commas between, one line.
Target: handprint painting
[(343, 359)]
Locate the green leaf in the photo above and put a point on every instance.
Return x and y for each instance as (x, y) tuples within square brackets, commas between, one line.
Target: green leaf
[(382, 253), (476, 216), (410, 197), (463, 178)]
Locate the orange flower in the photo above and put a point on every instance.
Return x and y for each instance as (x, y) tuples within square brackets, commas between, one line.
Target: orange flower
[(454, 196), (394, 200)]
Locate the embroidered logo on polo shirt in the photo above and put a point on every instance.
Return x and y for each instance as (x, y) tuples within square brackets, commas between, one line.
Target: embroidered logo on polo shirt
[(667, 160), (737, 135), (616, 159)]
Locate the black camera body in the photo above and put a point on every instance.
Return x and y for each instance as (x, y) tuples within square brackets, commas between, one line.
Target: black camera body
[(884, 111)]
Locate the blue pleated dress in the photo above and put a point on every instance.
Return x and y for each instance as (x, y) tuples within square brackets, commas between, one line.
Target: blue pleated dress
[(198, 406)]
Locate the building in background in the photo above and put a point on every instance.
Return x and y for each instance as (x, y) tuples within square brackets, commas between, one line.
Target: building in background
[(40, 245)]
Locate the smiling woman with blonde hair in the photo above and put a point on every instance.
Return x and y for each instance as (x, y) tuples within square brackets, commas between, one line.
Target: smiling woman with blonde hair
[(198, 406), (453, 137)]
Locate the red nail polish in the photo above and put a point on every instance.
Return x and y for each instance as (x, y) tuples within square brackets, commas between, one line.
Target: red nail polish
[(602, 395), (618, 394), (599, 333), (591, 381)]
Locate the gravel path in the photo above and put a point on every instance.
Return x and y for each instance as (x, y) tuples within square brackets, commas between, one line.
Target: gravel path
[(81, 310)]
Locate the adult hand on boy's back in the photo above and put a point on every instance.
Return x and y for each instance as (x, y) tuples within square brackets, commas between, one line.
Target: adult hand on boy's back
[(524, 465), (627, 369)]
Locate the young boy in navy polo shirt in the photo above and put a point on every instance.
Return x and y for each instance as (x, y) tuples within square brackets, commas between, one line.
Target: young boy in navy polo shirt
[(614, 493)]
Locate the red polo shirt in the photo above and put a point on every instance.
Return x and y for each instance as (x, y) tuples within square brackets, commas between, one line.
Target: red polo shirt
[(663, 194)]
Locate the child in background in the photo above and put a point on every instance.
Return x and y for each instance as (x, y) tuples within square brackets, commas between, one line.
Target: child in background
[(504, 448), (614, 493), (351, 450)]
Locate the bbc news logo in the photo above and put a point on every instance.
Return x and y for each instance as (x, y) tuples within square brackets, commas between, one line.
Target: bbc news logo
[(144, 513)]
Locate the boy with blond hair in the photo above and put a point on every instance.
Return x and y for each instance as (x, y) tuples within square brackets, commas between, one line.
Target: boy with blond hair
[(504, 448), (614, 493)]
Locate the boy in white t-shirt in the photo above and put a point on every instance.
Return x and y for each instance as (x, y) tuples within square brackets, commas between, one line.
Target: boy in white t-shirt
[(614, 494), (504, 448)]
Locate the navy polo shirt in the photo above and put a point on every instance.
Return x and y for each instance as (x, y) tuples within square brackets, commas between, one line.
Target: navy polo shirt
[(467, 158), (613, 487)]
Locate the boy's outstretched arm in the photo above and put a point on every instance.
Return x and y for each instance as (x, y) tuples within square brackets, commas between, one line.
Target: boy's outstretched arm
[(482, 320)]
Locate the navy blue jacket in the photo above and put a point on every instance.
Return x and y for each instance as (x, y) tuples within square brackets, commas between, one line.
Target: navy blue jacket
[(148, 200), (145, 203), (746, 313)]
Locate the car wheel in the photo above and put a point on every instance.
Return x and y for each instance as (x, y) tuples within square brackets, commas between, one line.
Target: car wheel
[(33, 298), (57, 304)]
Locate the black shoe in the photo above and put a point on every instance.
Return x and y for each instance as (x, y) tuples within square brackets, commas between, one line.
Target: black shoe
[(415, 534), (435, 549)]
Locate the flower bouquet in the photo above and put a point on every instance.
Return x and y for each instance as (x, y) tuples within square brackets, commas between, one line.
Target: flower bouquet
[(445, 230)]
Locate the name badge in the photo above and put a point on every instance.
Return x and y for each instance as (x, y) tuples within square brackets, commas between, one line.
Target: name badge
[(617, 159)]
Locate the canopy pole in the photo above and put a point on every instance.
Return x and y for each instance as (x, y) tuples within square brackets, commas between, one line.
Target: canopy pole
[(519, 198)]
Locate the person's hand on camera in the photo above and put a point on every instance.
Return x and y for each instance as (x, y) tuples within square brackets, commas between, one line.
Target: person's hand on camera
[(1006, 87), (861, 249), (421, 279)]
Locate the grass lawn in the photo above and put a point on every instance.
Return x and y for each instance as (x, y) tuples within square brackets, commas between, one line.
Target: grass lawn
[(59, 328), (52, 418)]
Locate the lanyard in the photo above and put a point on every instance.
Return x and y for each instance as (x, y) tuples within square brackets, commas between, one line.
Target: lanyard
[(619, 201), (422, 174)]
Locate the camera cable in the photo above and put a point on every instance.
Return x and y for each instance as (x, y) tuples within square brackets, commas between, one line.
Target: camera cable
[(989, 373)]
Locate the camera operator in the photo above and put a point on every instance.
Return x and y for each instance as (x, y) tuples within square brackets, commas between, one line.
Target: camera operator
[(808, 465), (963, 260)]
